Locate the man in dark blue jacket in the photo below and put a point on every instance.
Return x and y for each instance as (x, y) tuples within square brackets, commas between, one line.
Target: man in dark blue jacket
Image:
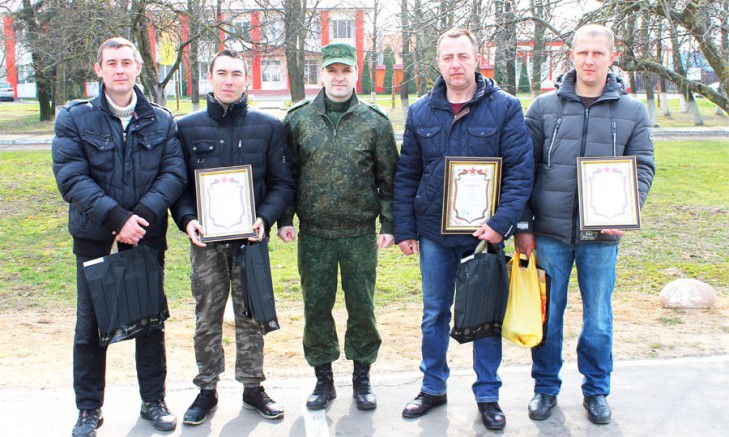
[(226, 134), (465, 115), (119, 165)]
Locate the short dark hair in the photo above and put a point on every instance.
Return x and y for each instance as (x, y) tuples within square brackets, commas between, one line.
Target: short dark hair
[(231, 54), (456, 33), (115, 43)]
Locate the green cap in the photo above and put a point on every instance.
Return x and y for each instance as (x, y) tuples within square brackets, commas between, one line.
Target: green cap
[(338, 53)]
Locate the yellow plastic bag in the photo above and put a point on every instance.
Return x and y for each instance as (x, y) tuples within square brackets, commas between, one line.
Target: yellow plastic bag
[(523, 319)]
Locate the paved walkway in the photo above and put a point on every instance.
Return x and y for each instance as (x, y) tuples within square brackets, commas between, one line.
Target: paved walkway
[(680, 397)]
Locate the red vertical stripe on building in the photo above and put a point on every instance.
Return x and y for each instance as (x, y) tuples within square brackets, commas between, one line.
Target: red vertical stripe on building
[(221, 33), (359, 43), (324, 28), (256, 37), (11, 68), (152, 37)]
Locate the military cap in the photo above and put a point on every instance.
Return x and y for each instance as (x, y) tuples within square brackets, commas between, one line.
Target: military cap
[(338, 53)]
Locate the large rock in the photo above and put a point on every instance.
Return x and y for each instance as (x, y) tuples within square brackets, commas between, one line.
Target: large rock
[(688, 293)]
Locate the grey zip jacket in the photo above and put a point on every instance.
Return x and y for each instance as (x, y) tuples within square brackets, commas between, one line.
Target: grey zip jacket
[(562, 129)]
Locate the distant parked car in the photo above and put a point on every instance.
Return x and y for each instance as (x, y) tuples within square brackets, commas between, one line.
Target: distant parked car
[(7, 92)]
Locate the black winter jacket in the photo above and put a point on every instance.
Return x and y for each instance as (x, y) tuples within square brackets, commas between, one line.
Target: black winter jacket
[(563, 129), (215, 137), (490, 125), (106, 174)]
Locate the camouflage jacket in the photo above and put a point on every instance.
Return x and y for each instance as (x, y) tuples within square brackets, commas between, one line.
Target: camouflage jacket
[(344, 173)]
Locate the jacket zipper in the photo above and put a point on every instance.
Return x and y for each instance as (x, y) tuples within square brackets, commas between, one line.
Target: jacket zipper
[(583, 146), (551, 144), (615, 139)]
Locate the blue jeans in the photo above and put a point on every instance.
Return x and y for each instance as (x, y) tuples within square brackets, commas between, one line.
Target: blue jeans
[(438, 266), (596, 276)]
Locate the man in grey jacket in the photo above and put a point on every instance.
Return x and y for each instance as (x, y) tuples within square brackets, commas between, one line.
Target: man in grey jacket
[(588, 115)]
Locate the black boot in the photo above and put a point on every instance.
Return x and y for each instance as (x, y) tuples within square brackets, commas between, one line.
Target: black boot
[(361, 388), (324, 389)]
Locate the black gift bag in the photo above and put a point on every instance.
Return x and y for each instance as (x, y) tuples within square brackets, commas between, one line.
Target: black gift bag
[(255, 268), (482, 290), (127, 293)]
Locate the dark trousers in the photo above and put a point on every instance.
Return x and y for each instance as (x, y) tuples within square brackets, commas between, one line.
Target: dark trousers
[(89, 358)]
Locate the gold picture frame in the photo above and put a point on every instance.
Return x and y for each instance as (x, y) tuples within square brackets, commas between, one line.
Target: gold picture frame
[(608, 193), (471, 189), (225, 203)]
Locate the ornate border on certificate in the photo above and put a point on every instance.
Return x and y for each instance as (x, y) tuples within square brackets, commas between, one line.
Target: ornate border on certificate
[(608, 193), (225, 205), (471, 190)]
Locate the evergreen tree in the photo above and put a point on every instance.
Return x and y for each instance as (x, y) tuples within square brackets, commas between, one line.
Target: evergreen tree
[(523, 78), (389, 69), (365, 79)]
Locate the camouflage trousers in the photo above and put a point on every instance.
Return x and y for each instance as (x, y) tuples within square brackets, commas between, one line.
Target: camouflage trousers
[(214, 274), (319, 261)]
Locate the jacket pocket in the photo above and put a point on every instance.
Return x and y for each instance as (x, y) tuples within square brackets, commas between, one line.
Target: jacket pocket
[(151, 147), (205, 154), (100, 147), (483, 141), (430, 140)]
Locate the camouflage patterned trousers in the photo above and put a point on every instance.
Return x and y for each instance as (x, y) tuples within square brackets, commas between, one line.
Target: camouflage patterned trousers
[(214, 274), (319, 260)]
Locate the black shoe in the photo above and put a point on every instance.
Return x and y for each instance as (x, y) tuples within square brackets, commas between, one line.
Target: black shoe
[(598, 410), (255, 398), (205, 403), (540, 407), (157, 412), (361, 388), (324, 390), (422, 404), (492, 416), (87, 423)]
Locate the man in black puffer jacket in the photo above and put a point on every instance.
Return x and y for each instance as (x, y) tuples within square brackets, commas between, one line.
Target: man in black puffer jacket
[(224, 135), (589, 115), (118, 164)]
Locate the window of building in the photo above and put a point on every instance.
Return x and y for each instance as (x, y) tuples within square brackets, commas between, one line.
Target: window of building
[(271, 71), (243, 30), (273, 32), (311, 72), (341, 29)]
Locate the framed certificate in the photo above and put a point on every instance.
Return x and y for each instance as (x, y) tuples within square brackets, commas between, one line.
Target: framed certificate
[(225, 205), (608, 193), (470, 193)]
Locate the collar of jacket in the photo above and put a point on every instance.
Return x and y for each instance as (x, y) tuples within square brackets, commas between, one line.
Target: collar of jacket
[(439, 98), (318, 102), (565, 84), (223, 116), (142, 110)]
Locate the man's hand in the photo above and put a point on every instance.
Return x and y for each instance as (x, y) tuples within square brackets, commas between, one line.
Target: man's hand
[(132, 231), (525, 243), (195, 231), (260, 231), (486, 233), (385, 240), (409, 247), (287, 233), (616, 232)]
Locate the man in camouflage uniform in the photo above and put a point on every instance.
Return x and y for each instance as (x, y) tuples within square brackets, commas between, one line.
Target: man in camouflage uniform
[(229, 133), (343, 156)]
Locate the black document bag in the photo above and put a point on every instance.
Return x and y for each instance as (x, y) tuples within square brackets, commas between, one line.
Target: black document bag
[(127, 293), (255, 268), (482, 290)]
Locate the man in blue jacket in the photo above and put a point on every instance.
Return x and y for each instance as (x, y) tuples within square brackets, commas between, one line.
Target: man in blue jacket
[(464, 115), (118, 164), (588, 115)]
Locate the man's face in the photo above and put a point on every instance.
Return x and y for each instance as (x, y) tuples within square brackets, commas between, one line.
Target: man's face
[(339, 81), (592, 58), (228, 79), (457, 62), (119, 71)]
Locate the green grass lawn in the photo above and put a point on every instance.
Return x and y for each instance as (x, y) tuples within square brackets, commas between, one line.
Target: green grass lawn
[(684, 235)]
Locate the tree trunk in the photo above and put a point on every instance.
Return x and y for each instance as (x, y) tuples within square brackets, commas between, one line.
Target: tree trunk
[(406, 63), (373, 55), (540, 46), (662, 83), (294, 37), (650, 98), (151, 76), (194, 11), (505, 62)]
